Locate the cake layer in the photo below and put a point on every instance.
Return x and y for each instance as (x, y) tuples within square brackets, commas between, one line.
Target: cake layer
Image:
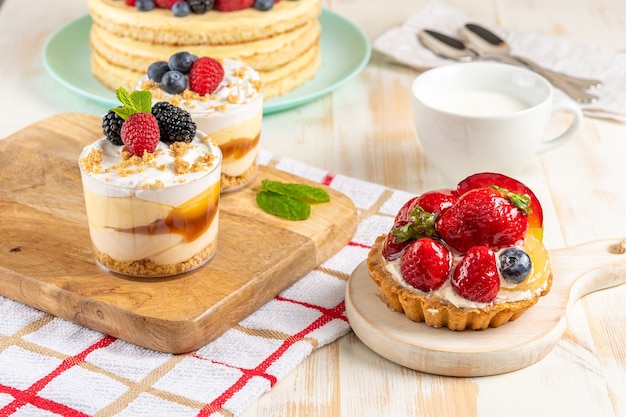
[(160, 26), (263, 55), (276, 82)]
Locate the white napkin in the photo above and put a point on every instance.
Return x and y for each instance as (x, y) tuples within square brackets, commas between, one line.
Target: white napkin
[(574, 58)]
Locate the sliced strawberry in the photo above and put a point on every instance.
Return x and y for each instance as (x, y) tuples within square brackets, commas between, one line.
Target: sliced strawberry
[(476, 276), (482, 216), (140, 132), (437, 201), (130, 3), (232, 5), (486, 179), (426, 264)]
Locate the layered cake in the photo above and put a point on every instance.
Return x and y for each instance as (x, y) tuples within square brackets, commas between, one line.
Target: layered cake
[(282, 43), (152, 205), (464, 258), (225, 99)]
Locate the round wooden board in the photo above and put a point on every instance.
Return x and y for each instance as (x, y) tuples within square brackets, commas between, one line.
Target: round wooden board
[(577, 271)]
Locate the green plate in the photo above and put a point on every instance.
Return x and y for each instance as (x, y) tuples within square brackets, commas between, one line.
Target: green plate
[(345, 52)]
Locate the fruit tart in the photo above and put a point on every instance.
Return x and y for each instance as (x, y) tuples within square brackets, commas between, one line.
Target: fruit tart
[(464, 258)]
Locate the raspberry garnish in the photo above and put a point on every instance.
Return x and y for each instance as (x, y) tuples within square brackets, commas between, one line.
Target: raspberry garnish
[(205, 75), (140, 133)]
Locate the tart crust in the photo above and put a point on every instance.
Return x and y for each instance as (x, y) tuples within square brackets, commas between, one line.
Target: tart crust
[(436, 312)]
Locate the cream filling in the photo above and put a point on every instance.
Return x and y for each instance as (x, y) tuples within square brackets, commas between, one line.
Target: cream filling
[(122, 212), (236, 167), (163, 249), (223, 132)]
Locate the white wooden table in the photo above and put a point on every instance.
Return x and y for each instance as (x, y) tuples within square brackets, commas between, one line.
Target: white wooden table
[(364, 130)]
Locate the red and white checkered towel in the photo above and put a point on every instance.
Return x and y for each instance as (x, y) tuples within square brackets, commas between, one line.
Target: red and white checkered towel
[(49, 366)]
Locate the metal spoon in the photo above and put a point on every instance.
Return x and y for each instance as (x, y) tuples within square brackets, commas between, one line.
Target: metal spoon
[(446, 46), (449, 47), (490, 43)]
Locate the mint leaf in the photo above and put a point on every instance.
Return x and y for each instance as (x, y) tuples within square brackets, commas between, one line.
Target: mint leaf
[(139, 101), (123, 96), (123, 112), (301, 192), (283, 206), (142, 101)]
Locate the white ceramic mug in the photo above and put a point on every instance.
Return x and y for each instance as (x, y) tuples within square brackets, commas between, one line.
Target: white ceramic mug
[(485, 116)]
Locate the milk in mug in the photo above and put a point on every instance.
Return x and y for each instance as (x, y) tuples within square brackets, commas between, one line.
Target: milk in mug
[(478, 103)]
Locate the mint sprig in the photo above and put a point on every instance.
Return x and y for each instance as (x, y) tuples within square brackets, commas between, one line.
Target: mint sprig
[(290, 201), (139, 101), (302, 192)]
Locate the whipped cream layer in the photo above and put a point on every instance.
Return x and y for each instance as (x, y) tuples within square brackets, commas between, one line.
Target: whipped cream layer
[(167, 176), (447, 293)]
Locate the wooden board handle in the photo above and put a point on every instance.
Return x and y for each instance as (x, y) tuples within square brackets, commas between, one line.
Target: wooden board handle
[(590, 267)]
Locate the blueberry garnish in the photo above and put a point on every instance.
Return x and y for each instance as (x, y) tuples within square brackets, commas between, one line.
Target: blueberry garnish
[(144, 5), (263, 5), (181, 9), (181, 61), (515, 265), (174, 82), (157, 70)]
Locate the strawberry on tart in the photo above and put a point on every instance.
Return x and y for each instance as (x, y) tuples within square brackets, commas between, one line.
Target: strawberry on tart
[(464, 258)]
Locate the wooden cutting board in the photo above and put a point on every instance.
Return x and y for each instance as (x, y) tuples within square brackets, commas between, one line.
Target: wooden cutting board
[(46, 260), (577, 271)]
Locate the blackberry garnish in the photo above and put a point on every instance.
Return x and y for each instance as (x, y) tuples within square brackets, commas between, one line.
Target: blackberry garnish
[(175, 124), (201, 6), (112, 126)]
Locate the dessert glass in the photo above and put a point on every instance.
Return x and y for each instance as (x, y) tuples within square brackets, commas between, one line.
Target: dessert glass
[(237, 132), (231, 116), (152, 216)]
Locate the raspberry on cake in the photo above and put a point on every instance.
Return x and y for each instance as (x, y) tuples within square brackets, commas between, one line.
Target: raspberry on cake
[(152, 206), (279, 39), (225, 99), (464, 258)]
